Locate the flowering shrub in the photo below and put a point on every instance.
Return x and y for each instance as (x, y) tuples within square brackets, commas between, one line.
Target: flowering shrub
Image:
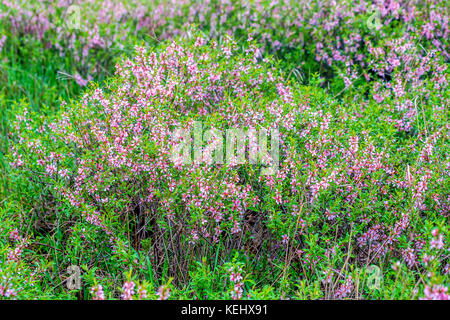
[(357, 92), (301, 32), (334, 39), (104, 169)]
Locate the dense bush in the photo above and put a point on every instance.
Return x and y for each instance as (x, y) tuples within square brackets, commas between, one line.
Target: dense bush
[(336, 40), (358, 91), (309, 36), (99, 177)]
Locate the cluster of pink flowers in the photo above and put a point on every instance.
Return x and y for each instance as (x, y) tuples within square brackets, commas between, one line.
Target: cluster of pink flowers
[(345, 289), (437, 242), (21, 243), (141, 292), (409, 257), (97, 292), (236, 279), (7, 292), (163, 293), (128, 290), (435, 292), (6, 289)]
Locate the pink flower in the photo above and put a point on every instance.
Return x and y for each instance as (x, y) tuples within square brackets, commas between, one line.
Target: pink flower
[(81, 82), (141, 292), (345, 289), (163, 293), (2, 41), (409, 257), (435, 292), (97, 292), (128, 290), (437, 242)]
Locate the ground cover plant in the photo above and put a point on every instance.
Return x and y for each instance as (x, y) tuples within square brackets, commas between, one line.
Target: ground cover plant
[(347, 199)]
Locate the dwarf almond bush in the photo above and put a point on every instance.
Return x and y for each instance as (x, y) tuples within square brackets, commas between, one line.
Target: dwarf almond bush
[(100, 183), (355, 46)]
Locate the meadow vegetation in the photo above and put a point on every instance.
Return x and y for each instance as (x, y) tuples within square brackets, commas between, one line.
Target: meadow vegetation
[(357, 90)]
